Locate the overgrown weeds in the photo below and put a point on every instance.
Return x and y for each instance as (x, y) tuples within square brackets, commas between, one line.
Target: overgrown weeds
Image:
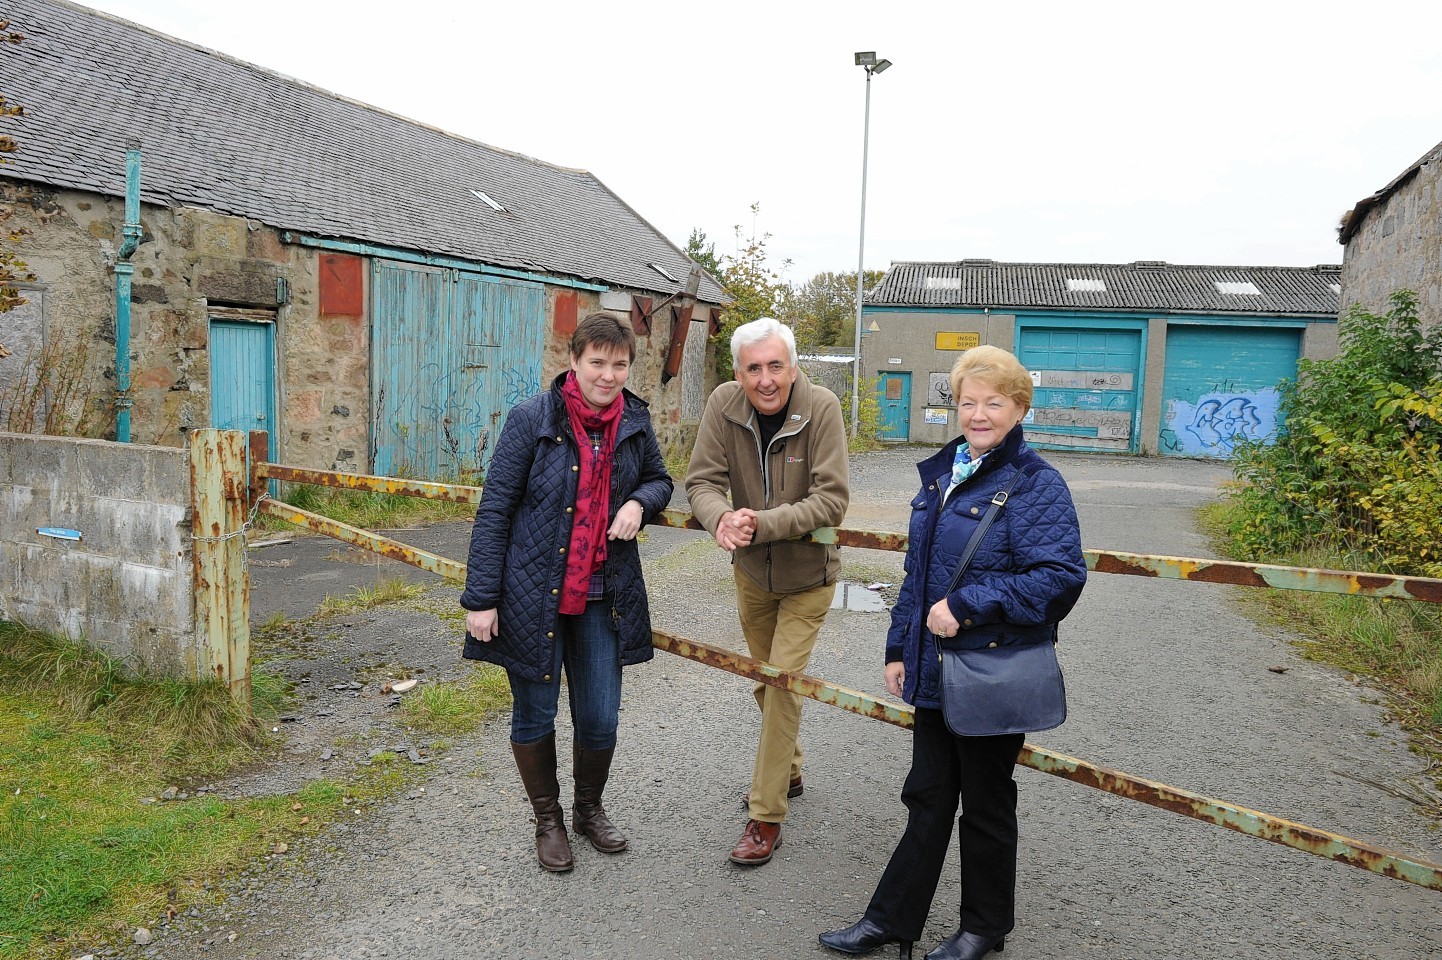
[(368, 510), (200, 724), (50, 395), (1357, 469)]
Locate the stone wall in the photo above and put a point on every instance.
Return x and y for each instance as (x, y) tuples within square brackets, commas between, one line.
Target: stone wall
[(1398, 245), (192, 263), (125, 586)]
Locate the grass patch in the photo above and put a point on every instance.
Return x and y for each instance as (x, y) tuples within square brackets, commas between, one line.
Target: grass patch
[(458, 707), (365, 509), (88, 845), (382, 592)]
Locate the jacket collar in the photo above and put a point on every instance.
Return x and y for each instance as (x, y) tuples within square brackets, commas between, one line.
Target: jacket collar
[(939, 464)]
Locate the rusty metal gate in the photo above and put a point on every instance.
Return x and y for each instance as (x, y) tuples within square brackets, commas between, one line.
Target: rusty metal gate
[(234, 493)]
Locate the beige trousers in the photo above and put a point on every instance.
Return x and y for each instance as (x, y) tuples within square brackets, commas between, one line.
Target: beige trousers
[(781, 629)]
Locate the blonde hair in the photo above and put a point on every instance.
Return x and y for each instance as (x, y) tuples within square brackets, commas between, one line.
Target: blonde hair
[(997, 367)]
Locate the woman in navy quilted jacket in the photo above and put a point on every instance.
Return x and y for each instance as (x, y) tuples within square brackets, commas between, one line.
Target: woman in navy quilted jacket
[(554, 577), (1025, 576)]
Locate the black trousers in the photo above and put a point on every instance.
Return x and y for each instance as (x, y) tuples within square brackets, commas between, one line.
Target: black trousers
[(945, 769)]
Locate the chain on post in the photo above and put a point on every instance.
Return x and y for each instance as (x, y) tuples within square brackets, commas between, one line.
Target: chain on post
[(244, 529)]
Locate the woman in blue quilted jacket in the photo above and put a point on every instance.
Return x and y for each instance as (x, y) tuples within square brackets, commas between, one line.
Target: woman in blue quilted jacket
[(554, 577), (1024, 577)]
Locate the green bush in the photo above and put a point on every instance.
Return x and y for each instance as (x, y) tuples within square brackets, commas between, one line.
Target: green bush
[(1356, 468)]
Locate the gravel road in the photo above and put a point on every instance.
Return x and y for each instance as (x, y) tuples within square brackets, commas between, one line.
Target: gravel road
[(1168, 681)]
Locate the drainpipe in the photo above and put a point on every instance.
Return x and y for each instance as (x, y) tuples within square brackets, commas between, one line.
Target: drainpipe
[(124, 271)]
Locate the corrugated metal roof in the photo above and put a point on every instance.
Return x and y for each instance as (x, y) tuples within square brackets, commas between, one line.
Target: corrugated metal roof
[(232, 137), (1142, 285)]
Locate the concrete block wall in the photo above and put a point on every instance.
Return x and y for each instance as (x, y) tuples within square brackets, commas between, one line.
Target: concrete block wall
[(125, 588)]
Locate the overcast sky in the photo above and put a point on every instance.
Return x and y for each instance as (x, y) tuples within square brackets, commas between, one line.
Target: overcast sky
[(1213, 133)]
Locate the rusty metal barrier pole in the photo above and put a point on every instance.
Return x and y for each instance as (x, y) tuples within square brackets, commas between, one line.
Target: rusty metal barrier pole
[(1221, 813), (1253, 823)]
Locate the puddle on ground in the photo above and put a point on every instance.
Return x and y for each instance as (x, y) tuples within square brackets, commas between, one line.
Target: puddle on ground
[(855, 596)]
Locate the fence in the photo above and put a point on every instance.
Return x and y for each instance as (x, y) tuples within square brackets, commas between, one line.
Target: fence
[(251, 489)]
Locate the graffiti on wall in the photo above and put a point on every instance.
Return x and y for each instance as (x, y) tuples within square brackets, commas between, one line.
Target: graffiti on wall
[(938, 390), (1216, 423)]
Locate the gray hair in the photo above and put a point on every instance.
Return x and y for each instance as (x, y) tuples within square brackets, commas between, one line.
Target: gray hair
[(749, 334)]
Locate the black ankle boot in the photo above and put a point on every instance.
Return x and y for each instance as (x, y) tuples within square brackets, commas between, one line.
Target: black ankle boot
[(967, 946), (863, 936)]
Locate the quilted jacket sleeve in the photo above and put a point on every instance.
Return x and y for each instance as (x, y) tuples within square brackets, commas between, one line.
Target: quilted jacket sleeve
[(1045, 571), (505, 485), (653, 492)]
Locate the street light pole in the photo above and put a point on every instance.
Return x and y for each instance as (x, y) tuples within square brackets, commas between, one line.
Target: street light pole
[(866, 59)]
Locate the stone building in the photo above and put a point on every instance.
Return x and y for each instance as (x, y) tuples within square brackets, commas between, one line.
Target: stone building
[(1142, 358), (1393, 241), (374, 292)]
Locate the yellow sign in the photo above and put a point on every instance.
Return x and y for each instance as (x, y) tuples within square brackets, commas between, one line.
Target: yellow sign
[(957, 341)]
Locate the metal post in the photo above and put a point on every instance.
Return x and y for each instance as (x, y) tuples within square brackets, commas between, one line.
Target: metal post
[(219, 484), (868, 60), (860, 267)]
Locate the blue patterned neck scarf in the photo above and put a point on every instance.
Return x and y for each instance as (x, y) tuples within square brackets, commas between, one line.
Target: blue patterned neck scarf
[(962, 467)]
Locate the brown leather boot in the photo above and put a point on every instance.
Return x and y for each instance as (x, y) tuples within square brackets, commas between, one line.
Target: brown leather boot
[(537, 763), (591, 769)]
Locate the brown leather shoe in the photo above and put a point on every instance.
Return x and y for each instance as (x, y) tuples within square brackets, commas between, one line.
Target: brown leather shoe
[(758, 842), (794, 789)]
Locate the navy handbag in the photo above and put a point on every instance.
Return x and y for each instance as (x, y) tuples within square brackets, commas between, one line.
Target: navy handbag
[(1001, 679)]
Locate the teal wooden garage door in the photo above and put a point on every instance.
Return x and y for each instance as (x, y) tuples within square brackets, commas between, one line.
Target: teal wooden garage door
[(452, 352), (1087, 383), (1220, 387)]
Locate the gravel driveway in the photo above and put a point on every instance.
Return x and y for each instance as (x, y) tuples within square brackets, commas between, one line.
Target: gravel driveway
[(1169, 681)]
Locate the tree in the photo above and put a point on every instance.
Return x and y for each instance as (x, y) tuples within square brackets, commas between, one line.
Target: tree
[(822, 310), (703, 252), (12, 268), (757, 289)]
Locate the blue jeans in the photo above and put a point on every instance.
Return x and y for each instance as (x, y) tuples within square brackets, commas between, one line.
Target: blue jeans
[(590, 650)]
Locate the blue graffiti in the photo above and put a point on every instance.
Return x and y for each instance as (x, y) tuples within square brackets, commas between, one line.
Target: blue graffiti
[(521, 382), (1216, 423)]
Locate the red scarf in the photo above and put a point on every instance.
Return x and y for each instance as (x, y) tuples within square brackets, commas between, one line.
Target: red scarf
[(593, 491)]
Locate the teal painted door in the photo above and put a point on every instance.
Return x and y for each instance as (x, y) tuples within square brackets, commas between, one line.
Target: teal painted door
[(1220, 387), (893, 394), (242, 377), (452, 352), (1087, 385)]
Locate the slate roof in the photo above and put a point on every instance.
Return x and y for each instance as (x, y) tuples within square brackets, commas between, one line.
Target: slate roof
[(219, 133), (1144, 285)]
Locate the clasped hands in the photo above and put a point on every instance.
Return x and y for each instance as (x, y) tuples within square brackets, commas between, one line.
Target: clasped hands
[(737, 529)]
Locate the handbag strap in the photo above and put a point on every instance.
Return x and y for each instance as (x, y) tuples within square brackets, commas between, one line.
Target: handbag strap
[(997, 502)]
